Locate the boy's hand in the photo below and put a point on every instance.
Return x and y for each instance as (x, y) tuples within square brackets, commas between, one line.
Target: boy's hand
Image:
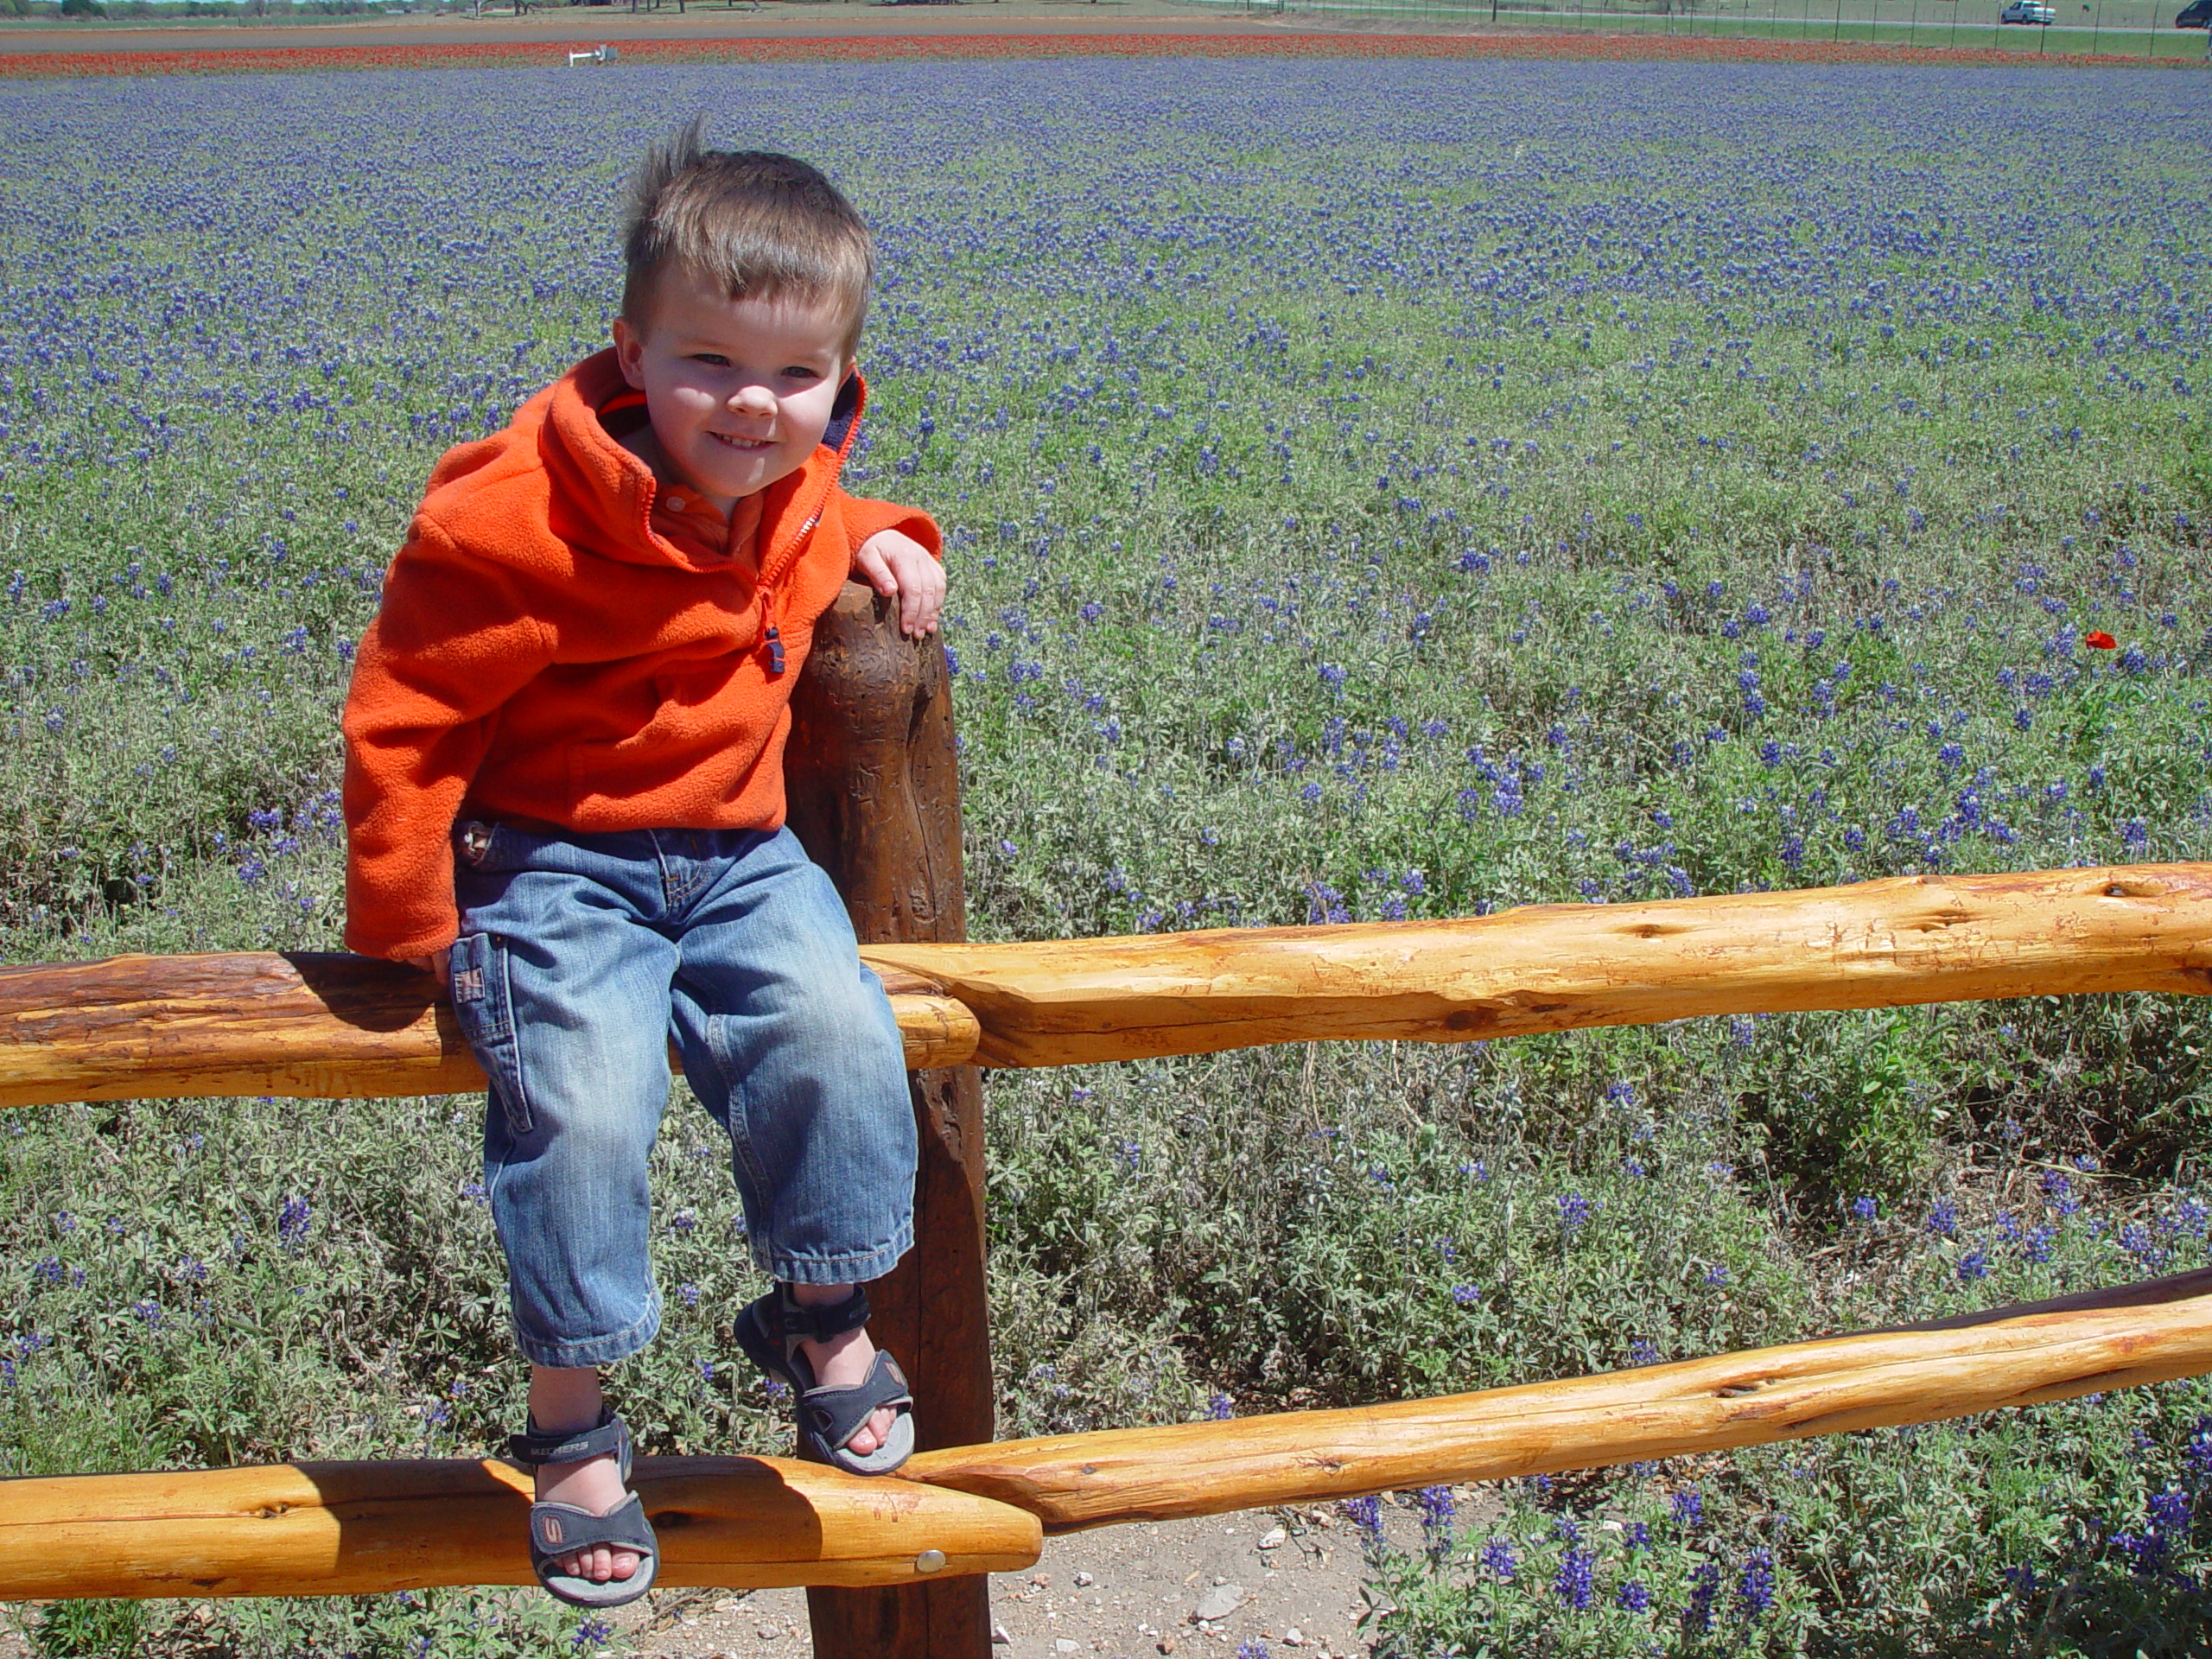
[(434, 965), (892, 561)]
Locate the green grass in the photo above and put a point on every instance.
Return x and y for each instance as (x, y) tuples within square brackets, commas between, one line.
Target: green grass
[(1371, 489)]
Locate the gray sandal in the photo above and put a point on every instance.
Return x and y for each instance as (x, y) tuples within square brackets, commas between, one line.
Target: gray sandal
[(771, 1329), (558, 1529)]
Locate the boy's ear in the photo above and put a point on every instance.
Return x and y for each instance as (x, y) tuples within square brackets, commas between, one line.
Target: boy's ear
[(629, 352)]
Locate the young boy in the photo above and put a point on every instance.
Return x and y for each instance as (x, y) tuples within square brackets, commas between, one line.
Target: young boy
[(564, 797)]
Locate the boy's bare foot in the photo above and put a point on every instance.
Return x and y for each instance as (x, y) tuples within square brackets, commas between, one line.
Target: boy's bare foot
[(564, 1403), (841, 1362)]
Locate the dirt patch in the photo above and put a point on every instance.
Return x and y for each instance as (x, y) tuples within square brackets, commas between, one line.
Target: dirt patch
[(1294, 1577)]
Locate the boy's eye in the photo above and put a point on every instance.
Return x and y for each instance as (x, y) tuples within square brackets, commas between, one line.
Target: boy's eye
[(800, 372), (714, 359)]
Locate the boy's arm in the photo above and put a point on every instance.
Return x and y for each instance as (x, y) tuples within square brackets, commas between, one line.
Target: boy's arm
[(896, 550), (452, 641)]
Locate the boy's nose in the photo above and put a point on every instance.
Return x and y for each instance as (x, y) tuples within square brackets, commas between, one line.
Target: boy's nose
[(753, 400)]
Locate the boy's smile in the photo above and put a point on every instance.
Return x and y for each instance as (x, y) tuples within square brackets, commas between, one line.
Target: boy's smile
[(740, 392)]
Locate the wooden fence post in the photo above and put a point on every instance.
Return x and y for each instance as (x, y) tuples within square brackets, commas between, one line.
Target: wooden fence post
[(875, 797)]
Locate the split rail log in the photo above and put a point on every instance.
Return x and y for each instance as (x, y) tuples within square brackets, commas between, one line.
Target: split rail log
[(342, 1529), (154, 1028), (306, 1025), (362, 1528), (1541, 968), (2140, 1334)]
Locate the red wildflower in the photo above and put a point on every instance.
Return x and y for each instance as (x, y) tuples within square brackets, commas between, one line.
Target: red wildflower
[(2100, 641)]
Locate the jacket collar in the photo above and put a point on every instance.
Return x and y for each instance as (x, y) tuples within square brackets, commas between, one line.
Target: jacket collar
[(611, 491)]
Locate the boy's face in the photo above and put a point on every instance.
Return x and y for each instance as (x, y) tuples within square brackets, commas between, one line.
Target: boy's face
[(740, 392)]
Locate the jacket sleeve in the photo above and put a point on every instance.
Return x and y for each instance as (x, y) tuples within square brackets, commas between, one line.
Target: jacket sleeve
[(863, 519), (453, 641)]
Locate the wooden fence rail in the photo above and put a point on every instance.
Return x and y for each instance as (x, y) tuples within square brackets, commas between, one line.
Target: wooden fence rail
[(747, 1523), (361, 1529), (164, 1027)]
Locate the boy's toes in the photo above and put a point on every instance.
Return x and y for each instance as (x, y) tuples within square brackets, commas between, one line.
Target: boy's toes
[(601, 1564), (874, 1432)]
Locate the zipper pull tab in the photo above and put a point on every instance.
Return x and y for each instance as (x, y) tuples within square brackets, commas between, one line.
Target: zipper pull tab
[(775, 650)]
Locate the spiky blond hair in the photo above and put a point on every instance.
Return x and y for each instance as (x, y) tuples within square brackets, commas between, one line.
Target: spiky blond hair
[(752, 223)]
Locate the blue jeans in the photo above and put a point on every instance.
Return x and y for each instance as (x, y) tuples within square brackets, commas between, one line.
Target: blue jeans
[(580, 958)]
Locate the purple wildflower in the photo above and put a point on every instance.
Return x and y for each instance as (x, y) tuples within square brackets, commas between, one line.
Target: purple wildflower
[(1366, 1514), (1697, 1612), (292, 1221), (1755, 1586), (1576, 1582)]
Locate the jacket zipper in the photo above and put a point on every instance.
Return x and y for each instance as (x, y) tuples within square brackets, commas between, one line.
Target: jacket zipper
[(771, 639)]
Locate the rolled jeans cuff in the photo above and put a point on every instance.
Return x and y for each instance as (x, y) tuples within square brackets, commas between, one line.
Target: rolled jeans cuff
[(590, 1351), (855, 1267)]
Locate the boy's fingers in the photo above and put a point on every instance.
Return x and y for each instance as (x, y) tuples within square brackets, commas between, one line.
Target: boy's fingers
[(875, 569), (922, 599)]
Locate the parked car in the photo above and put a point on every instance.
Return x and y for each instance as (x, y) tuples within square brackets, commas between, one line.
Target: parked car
[(2029, 11), (2196, 16)]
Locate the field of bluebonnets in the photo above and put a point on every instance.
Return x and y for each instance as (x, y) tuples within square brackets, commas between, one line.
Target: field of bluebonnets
[(1374, 489)]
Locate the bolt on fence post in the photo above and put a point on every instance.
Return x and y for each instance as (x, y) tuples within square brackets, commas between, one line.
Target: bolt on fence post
[(875, 797)]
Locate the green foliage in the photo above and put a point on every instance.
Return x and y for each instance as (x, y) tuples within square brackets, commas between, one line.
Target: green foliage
[(2077, 1530), (467, 1625), (1306, 1247), (1337, 529), (1871, 1121), (409, 1625), (89, 1629)]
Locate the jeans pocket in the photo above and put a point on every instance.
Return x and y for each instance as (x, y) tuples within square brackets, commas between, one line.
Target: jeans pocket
[(483, 1004)]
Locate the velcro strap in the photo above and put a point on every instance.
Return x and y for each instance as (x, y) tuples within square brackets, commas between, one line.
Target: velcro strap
[(537, 1446), (820, 1324), (838, 1414), (558, 1528)]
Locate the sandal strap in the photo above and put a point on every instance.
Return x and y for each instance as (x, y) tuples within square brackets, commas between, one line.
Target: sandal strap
[(557, 1528), (796, 1321), (609, 1436), (837, 1414)]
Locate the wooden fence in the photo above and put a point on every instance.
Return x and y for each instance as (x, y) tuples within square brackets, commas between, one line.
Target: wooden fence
[(894, 1565)]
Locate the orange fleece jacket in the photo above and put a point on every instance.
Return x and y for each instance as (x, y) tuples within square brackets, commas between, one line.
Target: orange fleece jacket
[(543, 655)]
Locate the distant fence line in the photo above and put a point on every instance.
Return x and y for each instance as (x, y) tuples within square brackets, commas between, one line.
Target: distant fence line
[(2142, 28)]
